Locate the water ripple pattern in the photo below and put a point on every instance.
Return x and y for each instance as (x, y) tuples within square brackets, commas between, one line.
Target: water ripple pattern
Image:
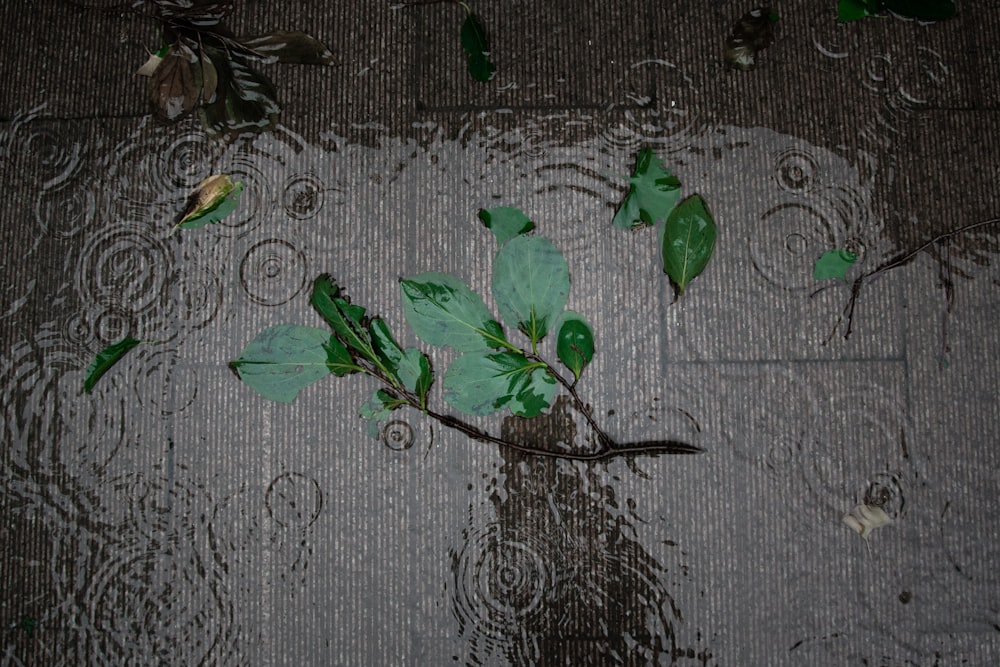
[(273, 272), (303, 197), (125, 265)]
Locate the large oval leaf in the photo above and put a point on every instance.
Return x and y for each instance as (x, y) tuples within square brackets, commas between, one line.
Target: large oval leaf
[(479, 383), (285, 359), (530, 284), (575, 342), (688, 241), (442, 310), (345, 318)]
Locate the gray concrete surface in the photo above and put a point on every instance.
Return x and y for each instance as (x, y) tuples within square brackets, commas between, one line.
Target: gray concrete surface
[(174, 517)]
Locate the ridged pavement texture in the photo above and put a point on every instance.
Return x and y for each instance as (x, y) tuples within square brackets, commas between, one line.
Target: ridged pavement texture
[(173, 517)]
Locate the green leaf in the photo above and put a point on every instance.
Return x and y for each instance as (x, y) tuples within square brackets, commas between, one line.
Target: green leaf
[(505, 222), (575, 342), (833, 264), (105, 359), (530, 284), (378, 408), (212, 200), (688, 241), (346, 319), (285, 359), (289, 47), (853, 10), (652, 194), (410, 367), (442, 310), (479, 383), (477, 49)]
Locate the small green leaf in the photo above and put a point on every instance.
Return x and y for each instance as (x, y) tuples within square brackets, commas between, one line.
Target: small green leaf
[(479, 383), (213, 199), (575, 342), (853, 10), (378, 408), (505, 222), (833, 264), (105, 359), (410, 367), (346, 319), (530, 284), (285, 359), (477, 49), (924, 10), (652, 194), (442, 310), (688, 241)]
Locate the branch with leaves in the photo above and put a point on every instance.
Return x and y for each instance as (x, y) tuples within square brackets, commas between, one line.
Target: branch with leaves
[(530, 286)]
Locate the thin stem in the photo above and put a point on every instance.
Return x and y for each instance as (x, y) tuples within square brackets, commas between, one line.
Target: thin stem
[(581, 407)]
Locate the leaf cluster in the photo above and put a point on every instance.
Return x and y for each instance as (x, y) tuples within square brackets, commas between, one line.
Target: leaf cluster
[(687, 229), (202, 65)]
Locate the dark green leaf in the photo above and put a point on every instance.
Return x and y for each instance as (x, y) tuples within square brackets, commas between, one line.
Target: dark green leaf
[(410, 366), (105, 359), (479, 383), (575, 342), (477, 49), (378, 408), (652, 194), (290, 47), (688, 241), (925, 10), (833, 264), (442, 310), (505, 222), (346, 319), (285, 359), (530, 284), (173, 88), (245, 99), (852, 10)]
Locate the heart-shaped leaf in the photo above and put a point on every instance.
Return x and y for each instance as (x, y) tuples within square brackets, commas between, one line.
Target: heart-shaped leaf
[(530, 284), (688, 241), (833, 264), (477, 49), (442, 310), (652, 194), (505, 222), (285, 359), (575, 342), (105, 359), (479, 383)]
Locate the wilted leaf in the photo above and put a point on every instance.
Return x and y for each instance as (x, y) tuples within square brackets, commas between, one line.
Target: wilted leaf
[(245, 100), (285, 359), (477, 49), (290, 47), (442, 310), (505, 222), (209, 197), (173, 88), (575, 343), (479, 383), (652, 194), (688, 241), (530, 284), (410, 367), (105, 359), (833, 264)]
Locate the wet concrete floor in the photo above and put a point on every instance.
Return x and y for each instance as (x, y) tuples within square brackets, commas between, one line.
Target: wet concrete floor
[(175, 517)]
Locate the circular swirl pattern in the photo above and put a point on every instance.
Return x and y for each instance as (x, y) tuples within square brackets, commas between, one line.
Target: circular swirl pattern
[(64, 212), (795, 170), (255, 202), (162, 386), (885, 490), (273, 272), (294, 500), (196, 297), (397, 434), (125, 266), (111, 324), (303, 197), (503, 580)]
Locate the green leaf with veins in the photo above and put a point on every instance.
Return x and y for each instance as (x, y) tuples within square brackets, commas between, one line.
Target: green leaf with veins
[(530, 285), (105, 359), (575, 342), (378, 408), (505, 222), (479, 383), (688, 241), (477, 49), (346, 319), (410, 367), (285, 359), (652, 194), (442, 310), (833, 264)]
